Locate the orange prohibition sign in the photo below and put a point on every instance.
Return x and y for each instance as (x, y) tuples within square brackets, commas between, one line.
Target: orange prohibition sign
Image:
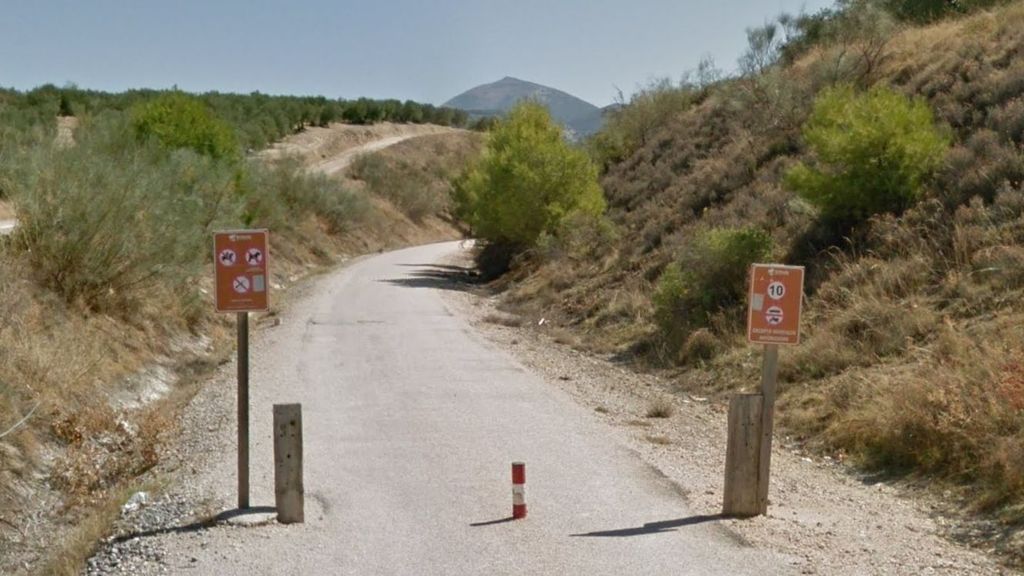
[(240, 262), (776, 298)]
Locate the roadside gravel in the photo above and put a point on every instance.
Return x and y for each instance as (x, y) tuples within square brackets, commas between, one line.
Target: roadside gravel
[(192, 470)]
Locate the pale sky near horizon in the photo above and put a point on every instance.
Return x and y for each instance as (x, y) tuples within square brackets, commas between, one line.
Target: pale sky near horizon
[(424, 51)]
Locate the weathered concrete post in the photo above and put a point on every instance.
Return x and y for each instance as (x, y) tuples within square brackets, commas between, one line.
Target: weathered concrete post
[(742, 457), (289, 493)]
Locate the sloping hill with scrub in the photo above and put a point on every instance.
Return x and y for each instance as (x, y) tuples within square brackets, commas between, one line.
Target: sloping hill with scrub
[(106, 318), (883, 154)]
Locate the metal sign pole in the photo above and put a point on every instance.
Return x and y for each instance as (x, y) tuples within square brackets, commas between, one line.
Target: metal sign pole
[(243, 410), (769, 377)]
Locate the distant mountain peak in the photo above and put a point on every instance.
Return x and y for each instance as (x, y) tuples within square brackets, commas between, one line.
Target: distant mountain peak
[(496, 98)]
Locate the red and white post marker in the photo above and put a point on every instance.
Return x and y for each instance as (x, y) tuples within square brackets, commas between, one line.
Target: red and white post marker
[(518, 490)]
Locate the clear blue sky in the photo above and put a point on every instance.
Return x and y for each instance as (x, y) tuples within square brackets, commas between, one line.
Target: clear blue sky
[(422, 50)]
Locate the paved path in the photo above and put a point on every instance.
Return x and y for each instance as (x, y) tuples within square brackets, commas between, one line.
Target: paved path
[(411, 421)]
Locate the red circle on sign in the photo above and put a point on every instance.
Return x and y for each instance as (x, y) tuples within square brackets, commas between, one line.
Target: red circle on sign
[(773, 316)]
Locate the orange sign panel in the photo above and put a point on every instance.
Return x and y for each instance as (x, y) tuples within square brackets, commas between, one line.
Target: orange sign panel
[(242, 280), (776, 300)]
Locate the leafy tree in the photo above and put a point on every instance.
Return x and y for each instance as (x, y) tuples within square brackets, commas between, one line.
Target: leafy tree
[(527, 182), (872, 152), (764, 45), (180, 121)]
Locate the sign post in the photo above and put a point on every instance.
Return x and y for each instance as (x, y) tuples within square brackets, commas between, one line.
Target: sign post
[(775, 304), (242, 279)]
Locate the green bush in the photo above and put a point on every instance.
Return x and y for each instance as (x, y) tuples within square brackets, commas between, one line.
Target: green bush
[(872, 153), (709, 278), (177, 120), (527, 181), (279, 195), (99, 226)]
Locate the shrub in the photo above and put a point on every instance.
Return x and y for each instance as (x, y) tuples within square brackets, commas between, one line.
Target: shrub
[(280, 194), (709, 278), (660, 408), (99, 223), (408, 188), (872, 151), (629, 126), (701, 345), (527, 182), (180, 121)]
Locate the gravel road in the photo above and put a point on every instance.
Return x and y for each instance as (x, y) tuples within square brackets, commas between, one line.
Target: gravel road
[(411, 421)]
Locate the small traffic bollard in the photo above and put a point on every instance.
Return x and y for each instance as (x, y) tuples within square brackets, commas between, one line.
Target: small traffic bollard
[(518, 490)]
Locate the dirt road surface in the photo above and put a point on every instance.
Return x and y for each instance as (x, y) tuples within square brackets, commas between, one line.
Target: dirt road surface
[(330, 150), (411, 421)]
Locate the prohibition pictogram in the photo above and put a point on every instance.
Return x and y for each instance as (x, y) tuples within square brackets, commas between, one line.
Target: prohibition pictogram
[(228, 257), (254, 257), (773, 316), (241, 259)]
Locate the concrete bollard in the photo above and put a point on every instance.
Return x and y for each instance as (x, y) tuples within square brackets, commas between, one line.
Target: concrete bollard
[(289, 493), (742, 457)]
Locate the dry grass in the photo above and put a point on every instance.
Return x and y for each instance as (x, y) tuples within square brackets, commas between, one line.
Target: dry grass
[(507, 320), (69, 556), (415, 176), (661, 408), (910, 347)]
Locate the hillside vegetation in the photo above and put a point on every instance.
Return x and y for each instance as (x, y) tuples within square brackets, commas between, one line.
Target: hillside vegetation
[(883, 154), (106, 321)]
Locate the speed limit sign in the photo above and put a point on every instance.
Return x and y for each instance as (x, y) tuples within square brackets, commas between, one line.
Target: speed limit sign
[(775, 304)]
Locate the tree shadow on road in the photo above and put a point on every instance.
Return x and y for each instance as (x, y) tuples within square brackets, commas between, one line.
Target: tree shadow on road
[(654, 527), (437, 276)]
